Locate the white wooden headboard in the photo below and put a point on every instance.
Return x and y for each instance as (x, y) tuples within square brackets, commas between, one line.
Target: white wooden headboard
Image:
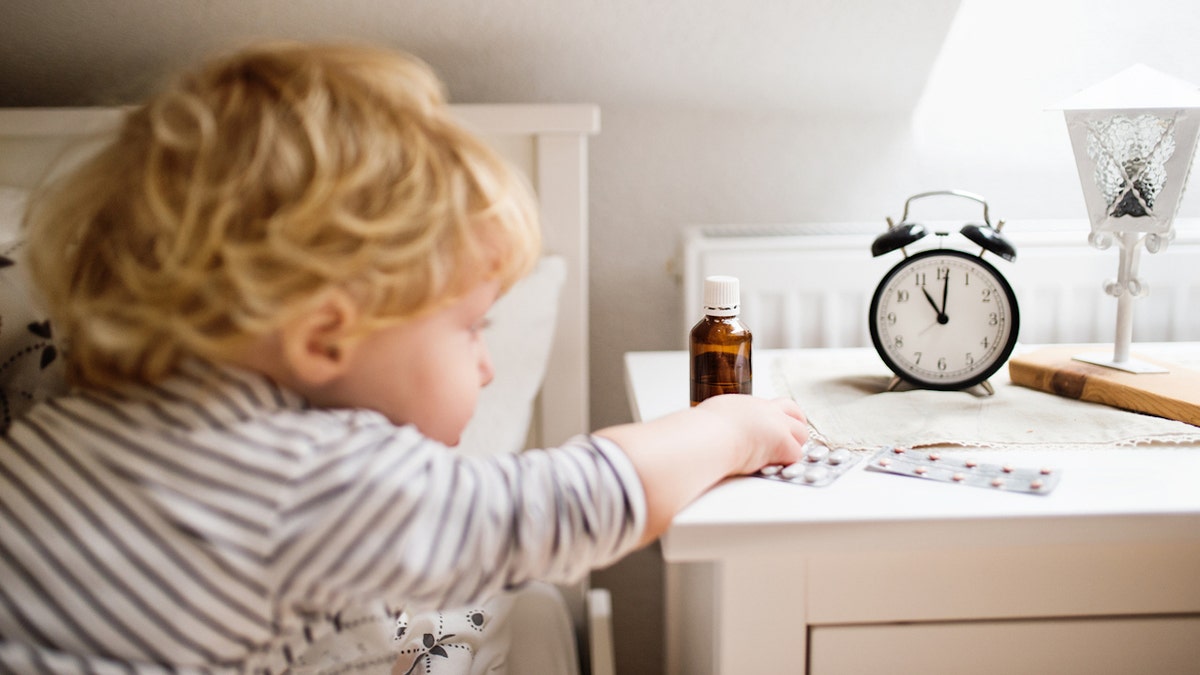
[(547, 142)]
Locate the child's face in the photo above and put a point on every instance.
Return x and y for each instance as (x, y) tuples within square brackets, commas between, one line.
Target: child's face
[(427, 371)]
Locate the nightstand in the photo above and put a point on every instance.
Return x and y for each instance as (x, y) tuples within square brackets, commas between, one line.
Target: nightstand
[(884, 574)]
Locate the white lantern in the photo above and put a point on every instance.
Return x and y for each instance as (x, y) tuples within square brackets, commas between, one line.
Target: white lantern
[(1133, 136)]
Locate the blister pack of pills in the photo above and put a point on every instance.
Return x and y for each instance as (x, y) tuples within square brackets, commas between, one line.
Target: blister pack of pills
[(820, 466), (951, 468)]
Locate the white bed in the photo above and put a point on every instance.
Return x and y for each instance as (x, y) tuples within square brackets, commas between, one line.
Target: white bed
[(549, 144)]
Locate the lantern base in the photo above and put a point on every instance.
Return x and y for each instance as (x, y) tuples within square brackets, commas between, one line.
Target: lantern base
[(1130, 365)]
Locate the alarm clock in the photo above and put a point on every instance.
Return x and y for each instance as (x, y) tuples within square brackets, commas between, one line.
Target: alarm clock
[(943, 318)]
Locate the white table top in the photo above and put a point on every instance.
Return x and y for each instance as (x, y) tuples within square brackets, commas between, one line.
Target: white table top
[(1131, 494)]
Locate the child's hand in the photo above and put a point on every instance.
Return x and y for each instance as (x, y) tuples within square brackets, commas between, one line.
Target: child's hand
[(765, 431), (683, 454)]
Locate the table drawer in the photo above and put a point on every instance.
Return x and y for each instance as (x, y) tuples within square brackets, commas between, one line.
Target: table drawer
[(1160, 645)]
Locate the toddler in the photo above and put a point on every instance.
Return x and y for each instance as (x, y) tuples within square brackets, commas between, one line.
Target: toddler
[(272, 286)]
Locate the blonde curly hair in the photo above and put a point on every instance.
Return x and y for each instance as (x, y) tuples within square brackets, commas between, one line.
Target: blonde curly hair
[(228, 203)]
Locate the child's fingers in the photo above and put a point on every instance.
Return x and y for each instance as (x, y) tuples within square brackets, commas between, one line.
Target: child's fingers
[(797, 421), (791, 408), (792, 450)]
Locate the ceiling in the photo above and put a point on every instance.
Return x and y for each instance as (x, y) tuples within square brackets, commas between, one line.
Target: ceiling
[(814, 56)]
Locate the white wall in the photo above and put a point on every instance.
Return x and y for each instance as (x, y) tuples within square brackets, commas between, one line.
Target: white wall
[(712, 111), (984, 118)]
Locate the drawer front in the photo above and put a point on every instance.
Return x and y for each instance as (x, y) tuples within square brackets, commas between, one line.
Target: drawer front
[(1160, 645)]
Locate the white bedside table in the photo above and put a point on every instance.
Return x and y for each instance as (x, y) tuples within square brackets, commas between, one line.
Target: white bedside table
[(886, 574)]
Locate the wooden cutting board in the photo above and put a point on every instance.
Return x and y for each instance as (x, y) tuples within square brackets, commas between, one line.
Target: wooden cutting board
[(1173, 395)]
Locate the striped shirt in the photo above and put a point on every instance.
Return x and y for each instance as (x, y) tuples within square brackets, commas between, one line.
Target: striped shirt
[(216, 522)]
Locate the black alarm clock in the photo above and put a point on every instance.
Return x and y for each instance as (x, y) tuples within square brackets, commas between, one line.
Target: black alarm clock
[(943, 318)]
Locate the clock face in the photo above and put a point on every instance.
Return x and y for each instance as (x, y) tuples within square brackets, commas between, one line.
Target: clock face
[(944, 319)]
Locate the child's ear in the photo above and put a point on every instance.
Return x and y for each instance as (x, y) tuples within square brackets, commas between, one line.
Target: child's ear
[(317, 345)]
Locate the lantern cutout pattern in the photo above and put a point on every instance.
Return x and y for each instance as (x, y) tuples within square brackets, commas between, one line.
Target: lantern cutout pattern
[(1133, 137)]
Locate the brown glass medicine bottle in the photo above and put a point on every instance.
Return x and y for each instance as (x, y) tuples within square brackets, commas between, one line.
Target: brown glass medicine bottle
[(720, 344)]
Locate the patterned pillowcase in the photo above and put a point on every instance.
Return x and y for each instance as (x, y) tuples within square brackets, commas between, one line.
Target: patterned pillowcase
[(465, 641), (31, 369), (30, 365)]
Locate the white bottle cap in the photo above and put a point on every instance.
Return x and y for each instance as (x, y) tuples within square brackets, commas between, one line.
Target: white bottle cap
[(721, 296)]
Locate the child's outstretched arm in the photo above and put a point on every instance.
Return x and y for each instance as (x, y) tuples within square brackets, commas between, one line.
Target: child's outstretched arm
[(681, 455)]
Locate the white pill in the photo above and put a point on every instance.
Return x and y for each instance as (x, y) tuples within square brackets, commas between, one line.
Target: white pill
[(816, 453), (770, 470), (815, 474), (838, 456), (791, 471)]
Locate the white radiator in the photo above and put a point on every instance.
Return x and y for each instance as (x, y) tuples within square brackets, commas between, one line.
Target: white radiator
[(810, 285)]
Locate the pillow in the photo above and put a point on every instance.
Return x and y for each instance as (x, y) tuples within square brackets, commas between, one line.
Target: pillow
[(30, 367), (12, 209), (519, 340), (472, 640)]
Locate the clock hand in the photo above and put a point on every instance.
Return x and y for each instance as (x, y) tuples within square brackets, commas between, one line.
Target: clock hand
[(942, 318), (931, 302)]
